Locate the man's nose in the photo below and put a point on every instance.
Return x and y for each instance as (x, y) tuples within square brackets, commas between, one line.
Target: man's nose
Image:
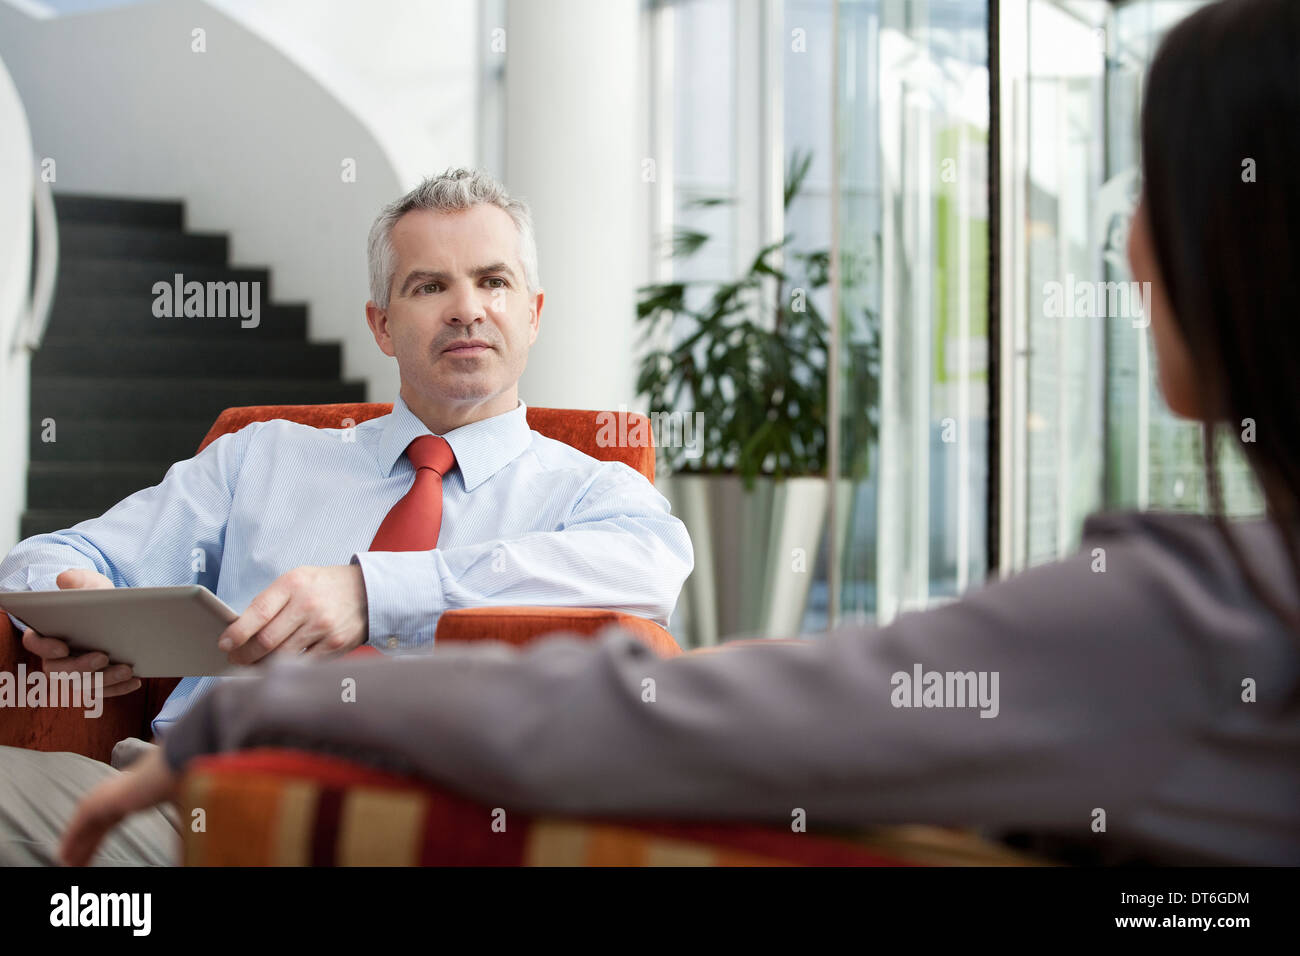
[(465, 307)]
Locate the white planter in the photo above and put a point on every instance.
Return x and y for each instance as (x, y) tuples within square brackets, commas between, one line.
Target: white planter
[(755, 553)]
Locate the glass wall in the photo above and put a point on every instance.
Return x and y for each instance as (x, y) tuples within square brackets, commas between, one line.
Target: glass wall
[(913, 124), (1158, 464), (743, 127), (1085, 425), (703, 137), (888, 102)]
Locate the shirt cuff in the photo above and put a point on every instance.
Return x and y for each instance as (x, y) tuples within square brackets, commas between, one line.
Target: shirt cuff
[(46, 580), (36, 581), (404, 597)]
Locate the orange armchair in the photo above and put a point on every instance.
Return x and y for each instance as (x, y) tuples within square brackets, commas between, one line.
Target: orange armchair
[(60, 729)]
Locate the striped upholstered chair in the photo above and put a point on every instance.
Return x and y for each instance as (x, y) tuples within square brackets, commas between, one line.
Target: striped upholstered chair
[(275, 807)]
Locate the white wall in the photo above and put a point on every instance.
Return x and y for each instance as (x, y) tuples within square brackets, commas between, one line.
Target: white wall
[(252, 143), (408, 68), (16, 170)]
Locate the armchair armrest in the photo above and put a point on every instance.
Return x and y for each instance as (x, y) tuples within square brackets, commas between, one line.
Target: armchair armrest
[(285, 807), (68, 728), (519, 625)]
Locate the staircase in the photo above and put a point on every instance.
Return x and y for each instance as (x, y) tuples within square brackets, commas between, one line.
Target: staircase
[(130, 393)]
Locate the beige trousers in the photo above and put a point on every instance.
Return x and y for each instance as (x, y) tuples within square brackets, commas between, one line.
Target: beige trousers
[(39, 792)]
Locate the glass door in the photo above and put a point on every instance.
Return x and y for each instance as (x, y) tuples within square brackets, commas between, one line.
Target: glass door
[(912, 209), (1085, 426), (1082, 426)]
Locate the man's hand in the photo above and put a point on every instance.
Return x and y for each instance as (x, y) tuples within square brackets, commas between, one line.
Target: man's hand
[(309, 610), (148, 782), (56, 656)]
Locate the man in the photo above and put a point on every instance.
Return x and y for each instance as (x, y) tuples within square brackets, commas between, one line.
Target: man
[(332, 539)]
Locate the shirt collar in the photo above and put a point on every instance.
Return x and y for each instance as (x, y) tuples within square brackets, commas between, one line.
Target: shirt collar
[(482, 448)]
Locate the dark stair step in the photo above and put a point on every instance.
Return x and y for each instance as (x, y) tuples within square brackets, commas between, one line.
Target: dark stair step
[(131, 393), (45, 521), (137, 357), (76, 207), (96, 276), (178, 398), (112, 439), (96, 241), (88, 484), (132, 316)]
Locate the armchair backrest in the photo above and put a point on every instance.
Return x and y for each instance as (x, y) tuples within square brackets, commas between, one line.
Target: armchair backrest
[(607, 436)]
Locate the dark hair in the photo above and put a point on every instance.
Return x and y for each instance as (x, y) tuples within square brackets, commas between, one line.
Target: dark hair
[(1220, 144)]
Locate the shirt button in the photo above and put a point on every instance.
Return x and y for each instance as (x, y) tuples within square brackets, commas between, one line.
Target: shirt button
[(392, 641)]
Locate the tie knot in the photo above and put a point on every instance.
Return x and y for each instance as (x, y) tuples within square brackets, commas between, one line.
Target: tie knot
[(431, 451)]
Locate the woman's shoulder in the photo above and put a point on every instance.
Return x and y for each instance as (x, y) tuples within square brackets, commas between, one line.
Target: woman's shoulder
[(1194, 543), (1176, 525), (1157, 584), (1183, 563)]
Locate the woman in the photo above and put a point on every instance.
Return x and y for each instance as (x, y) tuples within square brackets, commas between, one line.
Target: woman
[(1137, 702)]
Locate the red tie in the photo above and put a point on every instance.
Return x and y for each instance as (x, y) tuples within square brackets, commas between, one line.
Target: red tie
[(414, 522)]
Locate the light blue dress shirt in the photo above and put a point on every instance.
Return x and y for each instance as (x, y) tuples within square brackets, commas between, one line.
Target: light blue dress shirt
[(527, 520)]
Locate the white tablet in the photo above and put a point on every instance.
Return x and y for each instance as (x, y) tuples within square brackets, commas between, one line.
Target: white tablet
[(160, 632)]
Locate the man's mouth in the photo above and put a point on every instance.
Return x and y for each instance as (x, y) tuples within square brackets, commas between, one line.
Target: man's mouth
[(469, 347)]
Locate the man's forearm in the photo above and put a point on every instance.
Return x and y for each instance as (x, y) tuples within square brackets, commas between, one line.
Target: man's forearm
[(637, 572), (152, 537), (35, 563)]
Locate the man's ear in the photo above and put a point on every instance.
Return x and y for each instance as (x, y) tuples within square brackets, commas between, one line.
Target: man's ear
[(535, 322), (377, 319)]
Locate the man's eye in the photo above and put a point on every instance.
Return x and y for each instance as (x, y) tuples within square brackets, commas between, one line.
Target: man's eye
[(427, 287), (497, 279)]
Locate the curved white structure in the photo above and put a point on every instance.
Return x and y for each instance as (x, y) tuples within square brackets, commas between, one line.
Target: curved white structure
[(254, 146), (16, 177)]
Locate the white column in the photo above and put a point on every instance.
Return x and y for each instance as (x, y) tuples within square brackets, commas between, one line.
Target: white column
[(575, 114)]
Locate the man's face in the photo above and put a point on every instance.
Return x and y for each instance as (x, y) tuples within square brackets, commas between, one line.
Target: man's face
[(459, 320)]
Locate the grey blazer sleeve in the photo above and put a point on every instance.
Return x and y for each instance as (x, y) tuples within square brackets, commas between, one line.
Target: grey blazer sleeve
[(1099, 692)]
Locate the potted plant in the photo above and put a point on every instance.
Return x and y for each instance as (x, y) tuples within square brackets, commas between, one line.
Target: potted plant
[(748, 359)]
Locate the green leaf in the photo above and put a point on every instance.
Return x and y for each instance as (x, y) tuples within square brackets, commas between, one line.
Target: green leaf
[(756, 369), (687, 242), (796, 172), (707, 202)]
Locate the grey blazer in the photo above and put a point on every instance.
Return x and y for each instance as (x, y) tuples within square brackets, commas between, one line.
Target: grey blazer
[(1134, 700)]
